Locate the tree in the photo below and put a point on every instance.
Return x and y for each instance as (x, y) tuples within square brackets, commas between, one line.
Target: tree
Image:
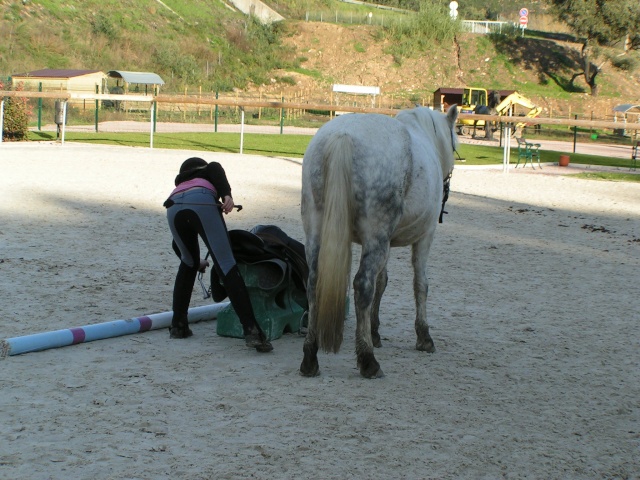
[(599, 23)]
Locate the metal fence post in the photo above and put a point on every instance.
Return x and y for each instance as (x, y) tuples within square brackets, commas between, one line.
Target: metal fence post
[(281, 116), (40, 108), (1, 118), (241, 129), (153, 123), (215, 123), (575, 134), (96, 113), (64, 119)]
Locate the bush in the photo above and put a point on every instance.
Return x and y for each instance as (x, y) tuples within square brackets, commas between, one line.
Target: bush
[(431, 26), (626, 63), (16, 116)]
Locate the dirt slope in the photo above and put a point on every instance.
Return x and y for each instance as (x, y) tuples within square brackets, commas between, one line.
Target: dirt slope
[(351, 54)]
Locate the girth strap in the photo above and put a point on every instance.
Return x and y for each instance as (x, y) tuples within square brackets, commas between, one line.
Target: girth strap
[(445, 195)]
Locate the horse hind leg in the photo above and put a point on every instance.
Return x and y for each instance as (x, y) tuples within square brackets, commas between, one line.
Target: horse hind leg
[(372, 262), (310, 366), (420, 252), (381, 285)]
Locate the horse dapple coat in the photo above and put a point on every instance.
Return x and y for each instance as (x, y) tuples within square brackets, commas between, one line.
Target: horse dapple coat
[(378, 181)]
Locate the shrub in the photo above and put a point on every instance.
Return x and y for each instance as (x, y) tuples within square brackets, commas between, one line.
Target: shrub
[(16, 116), (102, 25), (288, 80), (628, 64), (431, 26)]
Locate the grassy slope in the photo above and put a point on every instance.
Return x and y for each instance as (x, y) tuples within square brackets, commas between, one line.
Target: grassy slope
[(192, 42), (199, 42)]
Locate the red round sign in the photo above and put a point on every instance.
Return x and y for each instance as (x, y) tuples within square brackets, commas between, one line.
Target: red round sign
[(524, 20)]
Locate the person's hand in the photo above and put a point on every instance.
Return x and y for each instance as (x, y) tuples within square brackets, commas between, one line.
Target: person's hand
[(203, 266), (227, 204)]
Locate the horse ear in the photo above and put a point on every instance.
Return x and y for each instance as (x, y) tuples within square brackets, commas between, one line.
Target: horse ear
[(452, 114)]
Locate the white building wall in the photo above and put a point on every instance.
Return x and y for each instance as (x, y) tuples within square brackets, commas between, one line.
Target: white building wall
[(259, 9)]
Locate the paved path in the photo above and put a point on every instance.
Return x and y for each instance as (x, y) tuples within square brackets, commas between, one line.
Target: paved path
[(602, 149)]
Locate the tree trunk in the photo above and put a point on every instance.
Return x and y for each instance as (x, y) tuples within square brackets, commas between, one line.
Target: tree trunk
[(590, 70), (595, 88), (590, 73)]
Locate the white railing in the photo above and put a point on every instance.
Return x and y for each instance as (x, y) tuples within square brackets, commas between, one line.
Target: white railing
[(484, 26)]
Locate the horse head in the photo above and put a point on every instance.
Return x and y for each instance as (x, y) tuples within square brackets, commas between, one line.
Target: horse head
[(444, 137), (438, 128), (441, 129), (494, 99)]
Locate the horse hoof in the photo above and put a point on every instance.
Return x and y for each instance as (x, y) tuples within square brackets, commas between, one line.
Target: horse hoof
[(427, 346), (309, 370), (377, 343), (310, 367), (376, 374), (369, 366)]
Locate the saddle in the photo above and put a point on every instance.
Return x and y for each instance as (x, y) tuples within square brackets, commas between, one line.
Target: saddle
[(267, 246)]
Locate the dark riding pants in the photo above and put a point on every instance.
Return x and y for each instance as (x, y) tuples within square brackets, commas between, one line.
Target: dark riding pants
[(195, 213)]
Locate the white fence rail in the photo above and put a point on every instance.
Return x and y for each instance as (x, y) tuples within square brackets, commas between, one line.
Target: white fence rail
[(485, 26)]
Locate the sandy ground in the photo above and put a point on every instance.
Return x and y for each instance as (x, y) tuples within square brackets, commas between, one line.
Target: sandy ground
[(533, 306)]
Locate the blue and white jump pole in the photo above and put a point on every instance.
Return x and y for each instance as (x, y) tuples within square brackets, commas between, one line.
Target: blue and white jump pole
[(100, 331)]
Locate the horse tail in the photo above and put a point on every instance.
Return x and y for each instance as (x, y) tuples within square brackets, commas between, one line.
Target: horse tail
[(334, 257)]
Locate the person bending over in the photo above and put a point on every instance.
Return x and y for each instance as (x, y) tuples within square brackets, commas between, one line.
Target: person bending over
[(194, 208)]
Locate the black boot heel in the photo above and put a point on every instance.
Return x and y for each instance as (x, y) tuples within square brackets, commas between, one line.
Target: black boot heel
[(257, 340), (180, 327)]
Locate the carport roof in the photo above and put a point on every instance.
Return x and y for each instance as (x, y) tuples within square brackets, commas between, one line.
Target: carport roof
[(625, 107), (56, 73), (144, 78)]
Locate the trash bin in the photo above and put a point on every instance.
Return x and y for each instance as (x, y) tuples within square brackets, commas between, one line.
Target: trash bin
[(59, 113)]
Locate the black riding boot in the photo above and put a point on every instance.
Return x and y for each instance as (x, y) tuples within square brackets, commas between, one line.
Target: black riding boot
[(179, 327), (185, 279), (218, 292), (239, 296)]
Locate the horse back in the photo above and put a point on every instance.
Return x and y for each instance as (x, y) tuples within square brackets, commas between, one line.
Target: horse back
[(381, 162)]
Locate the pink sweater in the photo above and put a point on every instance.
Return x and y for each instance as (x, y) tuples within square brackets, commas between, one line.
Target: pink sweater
[(195, 182)]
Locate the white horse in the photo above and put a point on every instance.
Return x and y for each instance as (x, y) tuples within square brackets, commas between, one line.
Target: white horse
[(381, 182)]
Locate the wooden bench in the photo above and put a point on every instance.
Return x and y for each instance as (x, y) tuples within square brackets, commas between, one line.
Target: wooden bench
[(528, 151)]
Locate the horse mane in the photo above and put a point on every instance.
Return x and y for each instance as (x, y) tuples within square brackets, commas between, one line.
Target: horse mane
[(439, 129)]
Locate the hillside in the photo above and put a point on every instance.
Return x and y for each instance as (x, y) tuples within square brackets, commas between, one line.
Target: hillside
[(352, 55), (198, 43), (189, 43)]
